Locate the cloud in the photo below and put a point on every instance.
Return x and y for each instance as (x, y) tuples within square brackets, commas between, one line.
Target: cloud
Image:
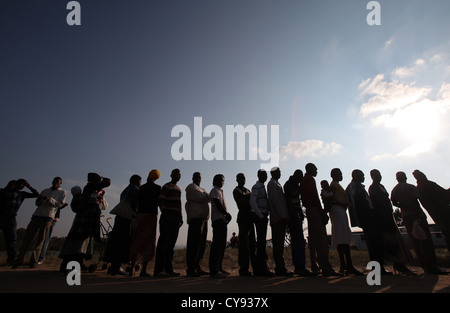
[(418, 113), (310, 148)]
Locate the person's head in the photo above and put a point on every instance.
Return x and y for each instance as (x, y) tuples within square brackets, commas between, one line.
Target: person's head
[(376, 176), (419, 176), (218, 181), (358, 176), (75, 191), (56, 182), (240, 179), (401, 177), (153, 175), (21, 183), (336, 174), (94, 178), (135, 180), (325, 185), (175, 175), (298, 175), (197, 178), (262, 176), (11, 185), (275, 172), (311, 169)]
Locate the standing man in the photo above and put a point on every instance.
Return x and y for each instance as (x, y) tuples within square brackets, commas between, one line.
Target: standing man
[(245, 220), (12, 198), (295, 224), (317, 220), (220, 219), (48, 202), (406, 197), (260, 207), (169, 225), (279, 217), (436, 200), (197, 212), (362, 214)]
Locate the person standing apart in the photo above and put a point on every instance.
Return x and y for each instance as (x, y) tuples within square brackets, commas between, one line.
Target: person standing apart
[(197, 215), (169, 225), (220, 219)]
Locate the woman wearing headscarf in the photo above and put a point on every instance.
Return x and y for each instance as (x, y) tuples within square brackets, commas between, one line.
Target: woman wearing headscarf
[(86, 204), (143, 240)]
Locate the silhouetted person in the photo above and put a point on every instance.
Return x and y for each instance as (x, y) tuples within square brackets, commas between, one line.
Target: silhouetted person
[(341, 234), (395, 248), (143, 240), (220, 219), (436, 200), (317, 220), (279, 218), (197, 212), (245, 220), (260, 207), (406, 197), (295, 224), (169, 225), (48, 202), (79, 243), (119, 242), (363, 215), (12, 198)]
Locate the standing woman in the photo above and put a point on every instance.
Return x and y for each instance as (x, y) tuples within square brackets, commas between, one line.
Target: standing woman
[(118, 247), (79, 243), (341, 234)]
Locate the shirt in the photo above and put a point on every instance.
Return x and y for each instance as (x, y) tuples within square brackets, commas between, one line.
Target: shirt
[(170, 198), (277, 202), (197, 202), (148, 198), (216, 214), (258, 200), (242, 198), (406, 197), (48, 208), (308, 191)]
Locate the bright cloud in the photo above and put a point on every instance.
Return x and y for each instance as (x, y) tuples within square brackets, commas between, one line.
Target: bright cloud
[(419, 113), (309, 148)]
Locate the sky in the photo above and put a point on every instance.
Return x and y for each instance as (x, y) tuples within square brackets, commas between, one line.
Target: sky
[(105, 96)]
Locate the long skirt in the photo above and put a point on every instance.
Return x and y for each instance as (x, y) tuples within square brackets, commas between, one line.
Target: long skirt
[(143, 240), (340, 229)]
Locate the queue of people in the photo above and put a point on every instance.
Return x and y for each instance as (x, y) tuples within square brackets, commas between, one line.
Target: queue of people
[(133, 238)]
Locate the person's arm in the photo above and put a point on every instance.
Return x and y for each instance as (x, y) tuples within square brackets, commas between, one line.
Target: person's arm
[(34, 193), (254, 205)]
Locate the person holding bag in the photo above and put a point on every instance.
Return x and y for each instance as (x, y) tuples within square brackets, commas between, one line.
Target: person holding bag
[(118, 246)]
